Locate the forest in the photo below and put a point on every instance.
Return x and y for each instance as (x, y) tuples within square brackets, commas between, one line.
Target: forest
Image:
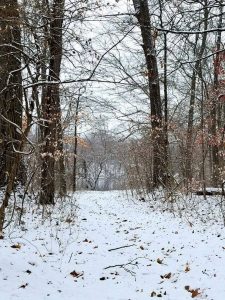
[(112, 124)]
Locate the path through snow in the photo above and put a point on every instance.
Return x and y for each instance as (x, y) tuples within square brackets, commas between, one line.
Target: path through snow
[(166, 257)]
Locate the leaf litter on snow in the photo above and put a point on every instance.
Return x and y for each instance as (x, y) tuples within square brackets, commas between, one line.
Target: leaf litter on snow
[(153, 253)]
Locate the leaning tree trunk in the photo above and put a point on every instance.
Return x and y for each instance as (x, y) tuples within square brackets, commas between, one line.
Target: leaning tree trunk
[(52, 132), (158, 139), (10, 86)]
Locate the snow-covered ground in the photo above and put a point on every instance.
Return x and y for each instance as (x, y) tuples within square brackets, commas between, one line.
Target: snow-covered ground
[(71, 253)]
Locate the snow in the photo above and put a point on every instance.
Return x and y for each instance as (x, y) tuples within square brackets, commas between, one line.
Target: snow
[(164, 253)]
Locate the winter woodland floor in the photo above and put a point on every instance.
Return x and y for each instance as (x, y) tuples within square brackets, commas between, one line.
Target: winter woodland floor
[(70, 253)]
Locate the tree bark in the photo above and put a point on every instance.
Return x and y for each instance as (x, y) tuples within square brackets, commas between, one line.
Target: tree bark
[(10, 86), (158, 139), (214, 116), (52, 133), (74, 186)]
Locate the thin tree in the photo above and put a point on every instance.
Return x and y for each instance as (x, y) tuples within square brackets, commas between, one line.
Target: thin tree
[(195, 74)]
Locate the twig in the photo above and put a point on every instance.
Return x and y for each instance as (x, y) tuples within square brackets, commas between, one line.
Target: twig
[(114, 266), (70, 257), (124, 266), (121, 247)]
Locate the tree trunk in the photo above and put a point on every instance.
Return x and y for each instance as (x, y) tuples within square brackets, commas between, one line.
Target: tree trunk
[(75, 145), (215, 147), (10, 86), (165, 89), (52, 133), (158, 139)]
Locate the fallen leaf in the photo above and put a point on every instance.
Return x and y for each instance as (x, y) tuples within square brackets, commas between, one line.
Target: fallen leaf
[(187, 268), (103, 278), (166, 276), (23, 286), (153, 294), (159, 261), (76, 274), (16, 246), (68, 220), (194, 292)]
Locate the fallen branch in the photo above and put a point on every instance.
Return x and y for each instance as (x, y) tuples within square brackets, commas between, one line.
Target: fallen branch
[(114, 266), (209, 193), (124, 266), (121, 247)]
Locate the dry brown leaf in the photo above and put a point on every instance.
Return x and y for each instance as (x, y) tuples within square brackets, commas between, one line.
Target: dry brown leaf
[(68, 220), (153, 294), (187, 268), (23, 286), (16, 246), (76, 274), (166, 276), (194, 292), (159, 261)]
